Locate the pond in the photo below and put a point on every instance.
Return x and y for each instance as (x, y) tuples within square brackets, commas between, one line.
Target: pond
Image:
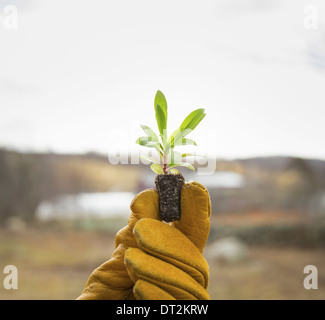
[(86, 205)]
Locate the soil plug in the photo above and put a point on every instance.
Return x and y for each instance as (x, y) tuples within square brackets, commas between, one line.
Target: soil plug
[(169, 187)]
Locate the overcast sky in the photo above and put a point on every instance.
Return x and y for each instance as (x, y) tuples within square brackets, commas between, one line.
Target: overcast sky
[(80, 76)]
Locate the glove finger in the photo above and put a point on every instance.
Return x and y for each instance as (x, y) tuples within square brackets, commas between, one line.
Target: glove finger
[(195, 213), (111, 280), (144, 290), (169, 244), (171, 279), (146, 205)]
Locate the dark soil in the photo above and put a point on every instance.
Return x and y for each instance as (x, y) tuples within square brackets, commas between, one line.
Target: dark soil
[(169, 188)]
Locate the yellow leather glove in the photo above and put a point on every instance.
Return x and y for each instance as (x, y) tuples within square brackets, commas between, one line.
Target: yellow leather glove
[(154, 260)]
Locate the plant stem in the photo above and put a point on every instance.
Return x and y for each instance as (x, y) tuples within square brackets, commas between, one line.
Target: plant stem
[(165, 168)]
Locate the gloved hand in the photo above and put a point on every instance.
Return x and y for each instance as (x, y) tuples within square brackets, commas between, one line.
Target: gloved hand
[(154, 260)]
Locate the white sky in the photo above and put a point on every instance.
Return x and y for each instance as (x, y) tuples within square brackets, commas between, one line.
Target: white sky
[(81, 75)]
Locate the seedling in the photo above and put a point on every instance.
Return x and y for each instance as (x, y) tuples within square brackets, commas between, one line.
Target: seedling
[(169, 180)]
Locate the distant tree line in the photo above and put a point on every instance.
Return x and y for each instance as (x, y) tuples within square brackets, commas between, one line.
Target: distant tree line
[(26, 179), (286, 183)]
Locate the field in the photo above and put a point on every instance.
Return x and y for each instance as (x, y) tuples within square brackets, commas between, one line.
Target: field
[(54, 263), (269, 273)]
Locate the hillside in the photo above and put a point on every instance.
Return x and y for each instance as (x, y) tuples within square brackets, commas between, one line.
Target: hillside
[(26, 179)]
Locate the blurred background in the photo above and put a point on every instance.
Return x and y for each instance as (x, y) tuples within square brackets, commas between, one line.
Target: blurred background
[(77, 79)]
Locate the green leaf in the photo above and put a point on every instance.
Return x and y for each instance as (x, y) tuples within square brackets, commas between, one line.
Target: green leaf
[(150, 159), (188, 125), (197, 121), (161, 100), (161, 115), (191, 121), (145, 139), (147, 142), (161, 120), (174, 157), (174, 171), (149, 132), (184, 164), (192, 155), (156, 168), (174, 137), (186, 142)]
